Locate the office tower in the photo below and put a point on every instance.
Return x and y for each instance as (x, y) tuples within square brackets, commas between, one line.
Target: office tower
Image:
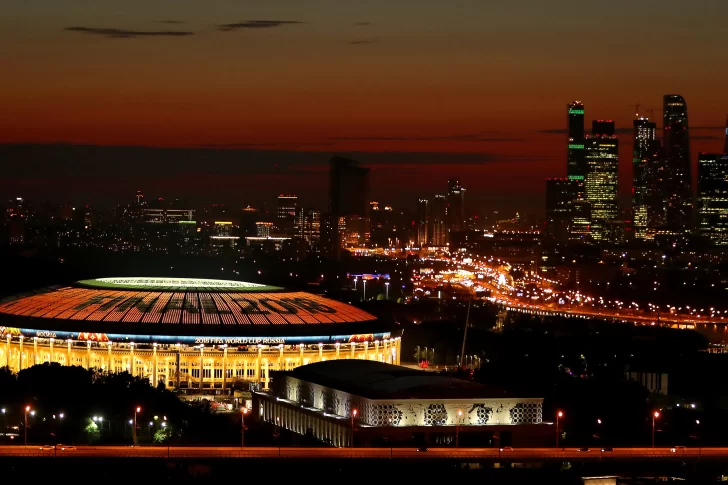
[(602, 177), (286, 214), (713, 197), (643, 174), (725, 143), (455, 207), (561, 193), (437, 219), (348, 198), (423, 222), (576, 168), (678, 193)]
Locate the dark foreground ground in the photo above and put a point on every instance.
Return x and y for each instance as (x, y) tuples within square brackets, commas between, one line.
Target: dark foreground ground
[(140, 470)]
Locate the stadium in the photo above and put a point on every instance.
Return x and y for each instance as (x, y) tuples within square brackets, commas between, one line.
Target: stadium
[(195, 335)]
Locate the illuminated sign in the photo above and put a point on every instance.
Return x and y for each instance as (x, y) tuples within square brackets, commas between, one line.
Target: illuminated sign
[(576, 111), (198, 340), (576, 146)]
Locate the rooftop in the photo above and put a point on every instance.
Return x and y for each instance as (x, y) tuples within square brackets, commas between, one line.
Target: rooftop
[(376, 380)]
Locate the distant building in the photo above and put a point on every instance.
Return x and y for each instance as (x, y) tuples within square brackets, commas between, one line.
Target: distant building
[(455, 208), (678, 193), (576, 166), (286, 214), (423, 223), (561, 193), (437, 219), (263, 229), (602, 177), (713, 197), (348, 195), (644, 183)]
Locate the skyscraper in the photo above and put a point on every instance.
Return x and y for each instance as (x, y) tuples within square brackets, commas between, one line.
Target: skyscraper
[(643, 180), (437, 219), (602, 177), (676, 151), (455, 208), (286, 214), (560, 196), (713, 197), (348, 198), (725, 143), (423, 223), (576, 168)]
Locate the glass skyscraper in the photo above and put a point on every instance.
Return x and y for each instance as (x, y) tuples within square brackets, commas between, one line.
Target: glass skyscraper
[(643, 170), (678, 192), (576, 169), (602, 177), (713, 197)]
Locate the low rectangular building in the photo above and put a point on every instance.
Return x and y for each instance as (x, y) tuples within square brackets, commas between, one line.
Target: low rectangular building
[(390, 404)]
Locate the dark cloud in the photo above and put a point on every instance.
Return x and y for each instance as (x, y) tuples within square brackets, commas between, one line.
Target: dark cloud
[(562, 131), (361, 24), (282, 145), (706, 137), (127, 34), (363, 41), (256, 24), (470, 137), (170, 22)]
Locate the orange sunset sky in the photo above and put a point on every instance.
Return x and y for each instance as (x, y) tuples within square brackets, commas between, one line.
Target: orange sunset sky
[(254, 97)]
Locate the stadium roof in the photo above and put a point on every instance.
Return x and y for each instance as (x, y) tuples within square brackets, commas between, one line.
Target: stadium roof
[(177, 307), (376, 380)]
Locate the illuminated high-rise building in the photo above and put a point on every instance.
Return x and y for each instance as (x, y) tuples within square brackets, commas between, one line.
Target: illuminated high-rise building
[(455, 207), (576, 166), (286, 214), (437, 220), (560, 196), (725, 143), (678, 191), (423, 222), (713, 197), (602, 177), (644, 174)]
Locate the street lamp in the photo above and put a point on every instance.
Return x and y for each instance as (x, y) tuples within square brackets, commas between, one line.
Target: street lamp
[(354, 412), (364, 283), (559, 414), (655, 415), (242, 427), (136, 411), (386, 289), (457, 429)]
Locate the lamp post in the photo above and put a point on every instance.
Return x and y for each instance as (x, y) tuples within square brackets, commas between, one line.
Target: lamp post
[(354, 412), (559, 414), (386, 289), (136, 411), (242, 427), (655, 415), (355, 280), (457, 429), (25, 429), (364, 284)]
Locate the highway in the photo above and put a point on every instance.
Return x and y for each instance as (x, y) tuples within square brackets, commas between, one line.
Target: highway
[(476, 454)]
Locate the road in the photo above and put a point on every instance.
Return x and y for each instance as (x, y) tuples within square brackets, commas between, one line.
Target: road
[(478, 454)]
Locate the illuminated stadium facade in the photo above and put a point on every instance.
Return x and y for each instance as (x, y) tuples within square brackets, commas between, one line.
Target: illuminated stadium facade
[(190, 334)]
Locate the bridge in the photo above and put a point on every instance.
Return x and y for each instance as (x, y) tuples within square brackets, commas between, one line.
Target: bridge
[(494, 455)]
